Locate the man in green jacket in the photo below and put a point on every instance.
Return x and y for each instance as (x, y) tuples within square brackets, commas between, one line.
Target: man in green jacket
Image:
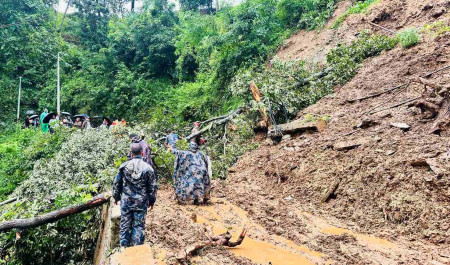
[(44, 126)]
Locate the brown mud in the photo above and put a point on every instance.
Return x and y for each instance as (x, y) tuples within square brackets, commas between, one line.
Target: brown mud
[(392, 204)]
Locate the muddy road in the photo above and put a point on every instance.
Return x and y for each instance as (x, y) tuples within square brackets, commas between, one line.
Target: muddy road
[(172, 227)]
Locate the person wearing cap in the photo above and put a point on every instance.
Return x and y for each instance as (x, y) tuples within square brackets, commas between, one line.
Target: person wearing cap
[(192, 175), (135, 186)]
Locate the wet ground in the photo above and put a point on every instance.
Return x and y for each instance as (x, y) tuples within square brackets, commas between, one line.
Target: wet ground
[(172, 228)]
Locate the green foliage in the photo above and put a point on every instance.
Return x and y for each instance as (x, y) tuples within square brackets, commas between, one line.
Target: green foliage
[(345, 59), (86, 158), (193, 5), (409, 37), (279, 82), (436, 29), (358, 7), (19, 149)]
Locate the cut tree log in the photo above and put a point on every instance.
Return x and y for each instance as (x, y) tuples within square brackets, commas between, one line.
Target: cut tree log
[(294, 127), (331, 190), (55, 215), (222, 120), (220, 240)]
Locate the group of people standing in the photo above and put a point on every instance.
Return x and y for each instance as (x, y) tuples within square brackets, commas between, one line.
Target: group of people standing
[(83, 122), (135, 185)]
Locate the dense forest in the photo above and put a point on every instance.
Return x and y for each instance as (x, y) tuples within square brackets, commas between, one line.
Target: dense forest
[(135, 64)]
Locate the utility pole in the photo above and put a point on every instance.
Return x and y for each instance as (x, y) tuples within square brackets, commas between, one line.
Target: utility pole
[(58, 91), (18, 99)]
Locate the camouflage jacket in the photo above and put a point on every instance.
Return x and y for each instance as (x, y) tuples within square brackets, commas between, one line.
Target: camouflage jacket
[(136, 184)]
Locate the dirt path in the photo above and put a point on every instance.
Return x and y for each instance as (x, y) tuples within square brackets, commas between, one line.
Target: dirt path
[(171, 227)]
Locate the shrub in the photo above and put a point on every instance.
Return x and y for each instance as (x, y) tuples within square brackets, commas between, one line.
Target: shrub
[(409, 37), (357, 8), (87, 157)]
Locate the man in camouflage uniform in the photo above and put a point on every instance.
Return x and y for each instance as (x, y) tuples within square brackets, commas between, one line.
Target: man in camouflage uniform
[(135, 186), (191, 176)]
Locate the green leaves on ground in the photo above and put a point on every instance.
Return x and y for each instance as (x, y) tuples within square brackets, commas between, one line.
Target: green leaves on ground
[(356, 8)]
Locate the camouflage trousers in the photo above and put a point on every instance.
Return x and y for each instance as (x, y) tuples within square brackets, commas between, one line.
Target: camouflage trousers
[(132, 226)]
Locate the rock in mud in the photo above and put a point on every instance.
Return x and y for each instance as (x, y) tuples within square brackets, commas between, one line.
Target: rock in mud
[(347, 145), (438, 12), (364, 124), (400, 125)]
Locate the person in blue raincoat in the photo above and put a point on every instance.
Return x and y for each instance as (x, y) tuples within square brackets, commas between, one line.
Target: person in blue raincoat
[(135, 186), (191, 176)]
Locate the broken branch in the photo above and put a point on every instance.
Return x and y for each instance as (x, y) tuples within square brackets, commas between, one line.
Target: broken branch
[(8, 201), (220, 240), (381, 27), (376, 94), (55, 215), (396, 105), (224, 119)]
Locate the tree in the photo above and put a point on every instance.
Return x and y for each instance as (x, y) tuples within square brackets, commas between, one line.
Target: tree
[(193, 5)]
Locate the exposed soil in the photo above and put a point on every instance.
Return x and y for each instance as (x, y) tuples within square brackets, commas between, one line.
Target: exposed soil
[(395, 15), (392, 204)]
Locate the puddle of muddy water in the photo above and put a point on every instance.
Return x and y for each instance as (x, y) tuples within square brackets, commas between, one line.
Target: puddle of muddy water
[(261, 252)]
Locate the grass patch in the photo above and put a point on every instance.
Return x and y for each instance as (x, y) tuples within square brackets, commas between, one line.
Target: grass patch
[(357, 8), (409, 37), (436, 29)]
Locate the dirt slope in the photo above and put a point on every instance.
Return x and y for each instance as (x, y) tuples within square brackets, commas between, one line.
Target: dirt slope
[(313, 46), (392, 204)]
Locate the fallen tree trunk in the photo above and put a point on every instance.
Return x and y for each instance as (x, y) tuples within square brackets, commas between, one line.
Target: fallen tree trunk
[(223, 120), (8, 201), (220, 240), (55, 215), (309, 79)]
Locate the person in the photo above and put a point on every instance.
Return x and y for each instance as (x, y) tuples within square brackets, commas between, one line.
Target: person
[(104, 124), (27, 122), (36, 122), (78, 123), (197, 139), (146, 150), (44, 126), (86, 124), (54, 122), (191, 175), (124, 123), (171, 139), (135, 186)]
